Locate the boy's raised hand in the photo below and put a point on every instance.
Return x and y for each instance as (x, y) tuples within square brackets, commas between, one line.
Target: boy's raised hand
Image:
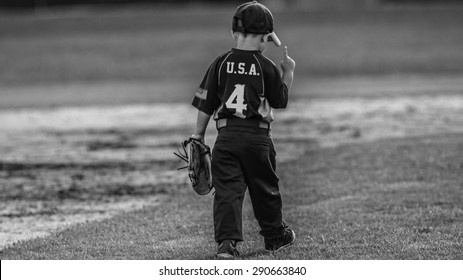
[(287, 64)]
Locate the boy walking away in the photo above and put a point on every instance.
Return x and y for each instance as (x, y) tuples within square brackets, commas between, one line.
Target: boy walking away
[(240, 89)]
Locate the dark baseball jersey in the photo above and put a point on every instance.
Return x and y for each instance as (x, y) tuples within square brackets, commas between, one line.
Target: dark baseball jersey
[(241, 84)]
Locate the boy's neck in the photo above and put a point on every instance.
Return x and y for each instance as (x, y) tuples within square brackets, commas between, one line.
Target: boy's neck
[(248, 43), (247, 46)]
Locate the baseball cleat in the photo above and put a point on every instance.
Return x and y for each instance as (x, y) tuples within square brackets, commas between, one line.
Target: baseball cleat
[(276, 244), (227, 250)]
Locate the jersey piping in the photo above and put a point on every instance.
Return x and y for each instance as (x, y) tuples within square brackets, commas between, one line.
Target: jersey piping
[(262, 71), (220, 68)]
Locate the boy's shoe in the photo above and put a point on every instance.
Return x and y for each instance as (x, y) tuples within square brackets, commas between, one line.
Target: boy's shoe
[(277, 243), (227, 249)]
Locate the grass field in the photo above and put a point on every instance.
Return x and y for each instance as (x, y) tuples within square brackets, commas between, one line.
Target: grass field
[(370, 157), (393, 199)]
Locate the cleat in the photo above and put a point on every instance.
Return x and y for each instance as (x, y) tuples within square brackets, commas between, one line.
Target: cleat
[(278, 243), (227, 250)]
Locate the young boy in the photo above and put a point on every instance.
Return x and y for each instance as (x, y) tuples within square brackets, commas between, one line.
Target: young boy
[(240, 88)]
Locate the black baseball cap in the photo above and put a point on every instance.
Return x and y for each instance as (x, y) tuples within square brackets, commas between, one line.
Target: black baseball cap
[(254, 18)]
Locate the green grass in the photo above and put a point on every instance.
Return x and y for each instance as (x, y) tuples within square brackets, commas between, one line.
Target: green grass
[(389, 199), (162, 44)]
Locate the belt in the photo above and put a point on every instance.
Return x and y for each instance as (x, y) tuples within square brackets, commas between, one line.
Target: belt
[(236, 122)]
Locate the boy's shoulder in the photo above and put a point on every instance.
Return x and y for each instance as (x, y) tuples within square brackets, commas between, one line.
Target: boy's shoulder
[(223, 55), (266, 59), (267, 64), (220, 59)]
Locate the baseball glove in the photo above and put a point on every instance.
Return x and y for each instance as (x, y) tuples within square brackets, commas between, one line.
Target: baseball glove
[(197, 155)]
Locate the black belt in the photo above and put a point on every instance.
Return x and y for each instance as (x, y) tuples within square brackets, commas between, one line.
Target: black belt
[(243, 123)]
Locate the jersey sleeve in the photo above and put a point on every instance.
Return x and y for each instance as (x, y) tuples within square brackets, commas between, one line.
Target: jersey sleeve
[(276, 90), (206, 98)]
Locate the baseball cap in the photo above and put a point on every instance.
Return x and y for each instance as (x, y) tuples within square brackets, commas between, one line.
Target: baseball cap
[(254, 18)]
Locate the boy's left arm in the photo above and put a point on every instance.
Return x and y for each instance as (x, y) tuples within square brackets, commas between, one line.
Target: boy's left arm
[(287, 65), (279, 87), (201, 124)]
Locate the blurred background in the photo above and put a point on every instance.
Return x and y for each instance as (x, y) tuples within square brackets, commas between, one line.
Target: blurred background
[(119, 51)]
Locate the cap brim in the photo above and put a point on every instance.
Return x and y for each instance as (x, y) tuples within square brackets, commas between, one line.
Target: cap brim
[(273, 37)]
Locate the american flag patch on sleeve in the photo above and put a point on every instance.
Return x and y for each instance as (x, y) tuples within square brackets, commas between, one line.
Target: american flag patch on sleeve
[(201, 94)]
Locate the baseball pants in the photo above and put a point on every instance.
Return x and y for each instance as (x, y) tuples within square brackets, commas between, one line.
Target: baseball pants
[(244, 158)]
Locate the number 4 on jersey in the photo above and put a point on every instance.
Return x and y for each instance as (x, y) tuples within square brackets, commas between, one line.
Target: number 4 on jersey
[(236, 101)]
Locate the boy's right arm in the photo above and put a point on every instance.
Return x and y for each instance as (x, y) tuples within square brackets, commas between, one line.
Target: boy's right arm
[(201, 125), (287, 65)]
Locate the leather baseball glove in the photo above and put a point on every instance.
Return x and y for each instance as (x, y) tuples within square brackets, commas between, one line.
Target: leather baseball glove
[(197, 155)]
